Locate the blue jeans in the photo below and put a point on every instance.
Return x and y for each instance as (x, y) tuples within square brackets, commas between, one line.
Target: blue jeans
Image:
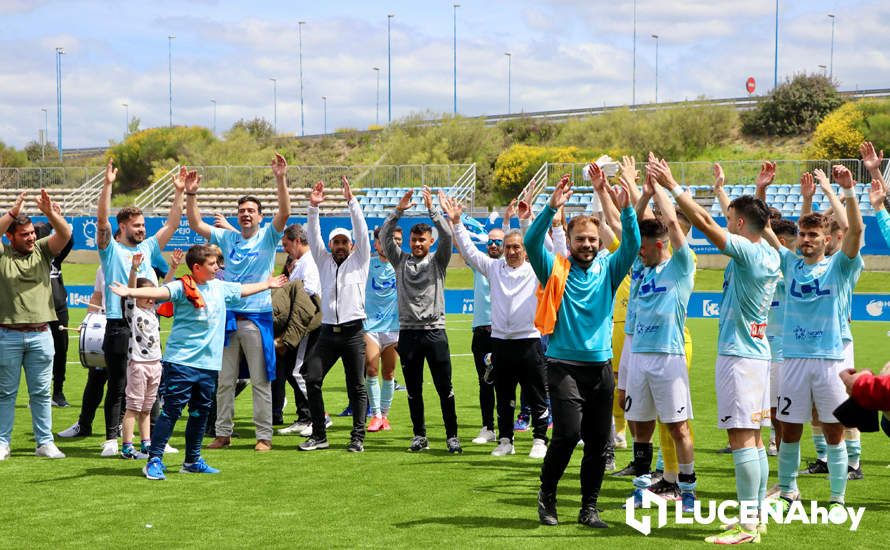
[(181, 386), (34, 352)]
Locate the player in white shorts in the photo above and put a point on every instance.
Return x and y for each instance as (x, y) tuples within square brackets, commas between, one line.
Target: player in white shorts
[(381, 334), (817, 288), (742, 370), (658, 380)]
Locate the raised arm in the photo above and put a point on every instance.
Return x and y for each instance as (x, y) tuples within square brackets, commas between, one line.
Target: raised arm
[(719, 191), (764, 179), (877, 195), (621, 261), (279, 168), (249, 289), (474, 258), (628, 175), (134, 268), (539, 257), (508, 215), (12, 214), (103, 226), (175, 261), (853, 236), (61, 230), (611, 215), (641, 204), (840, 213), (669, 218), (158, 293), (199, 226), (175, 215), (697, 215), (313, 227), (359, 225), (872, 162), (445, 242), (807, 190), (220, 222)]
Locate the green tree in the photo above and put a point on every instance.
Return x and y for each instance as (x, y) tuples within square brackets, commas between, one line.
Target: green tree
[(259, 128), (796, 107)]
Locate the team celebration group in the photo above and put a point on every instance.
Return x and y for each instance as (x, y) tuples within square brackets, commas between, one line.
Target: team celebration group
[(586, 315)]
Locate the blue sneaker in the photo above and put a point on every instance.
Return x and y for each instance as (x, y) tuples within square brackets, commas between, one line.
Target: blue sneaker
[(347, 411), (638, 499), (688, 498), (154, 469), (197, 467), (521, 424)]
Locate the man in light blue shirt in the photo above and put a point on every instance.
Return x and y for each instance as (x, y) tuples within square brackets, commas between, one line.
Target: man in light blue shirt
[(249, 258), (658, 380), (193, 352), (742, 370)]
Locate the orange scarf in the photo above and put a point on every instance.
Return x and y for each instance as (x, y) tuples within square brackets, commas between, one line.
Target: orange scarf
[(192, 294), (550, 297)]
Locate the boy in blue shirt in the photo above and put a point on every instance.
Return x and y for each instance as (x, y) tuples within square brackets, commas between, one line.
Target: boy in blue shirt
[(578, 361), (193, 352), (743, 354)]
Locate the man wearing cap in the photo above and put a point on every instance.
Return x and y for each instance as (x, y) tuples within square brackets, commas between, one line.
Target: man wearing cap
[(343, 272)]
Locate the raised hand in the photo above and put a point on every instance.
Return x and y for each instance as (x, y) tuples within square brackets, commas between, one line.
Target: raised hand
[(347, 191), (57, 208), (649, 184), (316, 197), (620, 195), (822, 178), (192, 182), (597, 177), (562, 193), (807, 186), (427, 198), (179, 179), (842, 176), (871, 159), (110, 172), (719, 176), (136, 261), (510, 211), (877, 195), (176, 258), (279, 167), (277, 281), (628, 166), (661, 172), (452, 208), (45, 204), (524, 211), (405, 202), (559, 218), (121, 290), (767, 174), (17, 206)]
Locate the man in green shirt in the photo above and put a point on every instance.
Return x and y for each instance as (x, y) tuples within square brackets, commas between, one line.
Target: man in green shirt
[(26, 308)]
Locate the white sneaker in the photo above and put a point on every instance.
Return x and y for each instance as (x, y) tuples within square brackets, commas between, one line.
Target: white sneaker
[(109, 448), (170, 450), (773, 492), (295, 428), (539, 449), (307, 431), (772, 450), (620, 441), (505, 447), (49, 450), (485, 436), (4, 452), (73, 431)]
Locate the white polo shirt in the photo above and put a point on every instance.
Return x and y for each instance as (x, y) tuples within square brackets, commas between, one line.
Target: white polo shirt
[(306, 271)]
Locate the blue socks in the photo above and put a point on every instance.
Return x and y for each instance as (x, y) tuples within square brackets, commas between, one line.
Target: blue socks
[(389, 386), (764, 474), (819, 443), (837, 471), (659, 461), (747, 473), (789, 461), (372, 384), (854, 450)]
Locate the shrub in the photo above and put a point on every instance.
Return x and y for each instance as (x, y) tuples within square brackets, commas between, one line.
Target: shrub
[(795, 107), (837, 135), (143, 154)]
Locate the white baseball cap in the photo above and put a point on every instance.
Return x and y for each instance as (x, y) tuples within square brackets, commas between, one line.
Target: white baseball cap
[(340, 231)]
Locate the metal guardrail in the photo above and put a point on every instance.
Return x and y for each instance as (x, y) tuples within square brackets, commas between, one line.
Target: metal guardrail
[(85, 197), (155, 193), (45, 177), (464, 189)]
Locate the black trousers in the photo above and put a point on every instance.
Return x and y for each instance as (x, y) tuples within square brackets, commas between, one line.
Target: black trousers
[(60, 343), (415, 346), (284, 365), (480, 346), (581, 399), (92, 397), (520, 362), (115, 346), (338, 342)]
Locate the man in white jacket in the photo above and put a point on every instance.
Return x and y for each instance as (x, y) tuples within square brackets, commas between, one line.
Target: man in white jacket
[(516, 343)]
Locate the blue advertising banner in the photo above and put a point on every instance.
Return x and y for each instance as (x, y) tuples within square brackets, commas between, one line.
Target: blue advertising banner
[(866, 307)]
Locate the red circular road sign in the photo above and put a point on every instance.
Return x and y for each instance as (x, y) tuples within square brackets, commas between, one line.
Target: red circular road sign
[(750, 84)]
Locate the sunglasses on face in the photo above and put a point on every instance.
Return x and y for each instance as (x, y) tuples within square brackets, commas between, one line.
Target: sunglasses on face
[(495, 242)]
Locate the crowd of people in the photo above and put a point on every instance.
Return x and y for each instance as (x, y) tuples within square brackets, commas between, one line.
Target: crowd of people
[(586, 315)]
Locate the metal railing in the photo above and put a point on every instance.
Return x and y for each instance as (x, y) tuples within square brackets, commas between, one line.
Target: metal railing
[(45, 177), (85, 197), (157, 192), (464, 189)]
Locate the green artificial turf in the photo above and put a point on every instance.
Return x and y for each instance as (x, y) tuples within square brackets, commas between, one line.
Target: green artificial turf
[(384, 497)]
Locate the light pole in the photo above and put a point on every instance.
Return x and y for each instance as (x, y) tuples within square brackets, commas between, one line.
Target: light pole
[(214, 115), (655, 36), (509, 63), (377, 70), (59, 53), (170, 70), (824, 69), (831, 55), (776, 54), (633, 97), (300, 29), (126, 107), (275, 104), (455, 57), (45, 135), (389, 67), (324, 101)]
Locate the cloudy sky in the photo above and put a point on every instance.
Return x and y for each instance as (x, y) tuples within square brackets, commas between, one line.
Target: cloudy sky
[(565, 54)]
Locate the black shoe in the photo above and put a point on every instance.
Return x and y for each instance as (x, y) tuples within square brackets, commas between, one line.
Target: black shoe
[(725, 450), (453, 444), (628, 471), (666, 489), (547, 508), (278, 420), (656, 476), (854, 473), (816, 467), (590, 517), (312, 444), (419, 443), (356, 446), (240, 385), (59, 400)]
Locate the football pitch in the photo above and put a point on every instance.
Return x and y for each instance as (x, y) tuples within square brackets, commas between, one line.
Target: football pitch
[(387, 497)]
